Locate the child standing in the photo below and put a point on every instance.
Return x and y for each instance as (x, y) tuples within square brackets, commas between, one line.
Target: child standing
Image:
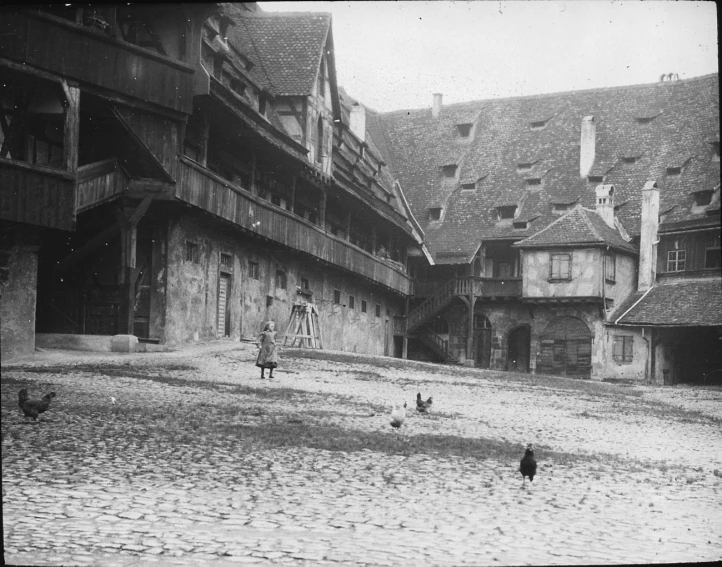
[(267, 357)]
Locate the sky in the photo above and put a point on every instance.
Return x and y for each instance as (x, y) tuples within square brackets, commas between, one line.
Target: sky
[(395, 55)]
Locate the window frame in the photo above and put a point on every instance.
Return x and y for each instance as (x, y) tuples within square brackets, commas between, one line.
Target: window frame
[(281, 279), (378, 310), (610, 257), (254, 270), (351, 302), (192, 252), (337, 297), (676, 261), (623, 349), (364, 306), (560, 276)]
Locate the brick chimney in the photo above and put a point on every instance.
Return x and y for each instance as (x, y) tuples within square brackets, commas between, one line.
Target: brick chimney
[(436, 108), (648, 238), (587, 145), (605, 203), (358, 121)]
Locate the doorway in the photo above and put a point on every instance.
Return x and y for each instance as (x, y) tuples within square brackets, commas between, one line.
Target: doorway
[(519, 347), (566, 348), (482, 341)]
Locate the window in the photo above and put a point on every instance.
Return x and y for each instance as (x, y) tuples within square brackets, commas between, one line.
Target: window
[(644, 119), (481, 322), (449, 170), (226, 260), (713, 254), (538, 124), (378, 310), (520, 225), (534, 181), (337, 297), (281, 279), (676, 260), (610, 268), (595, 178), (435, 213), (468, 186), (702, 198), (363, 306), (506, 212), (193, 252), (305, 283), (623, 350), (561, 267), (674, 171), (269, 301), (560, 207), (524, 166), (464, 130), (253, 270), (629, 159), (351, 302)]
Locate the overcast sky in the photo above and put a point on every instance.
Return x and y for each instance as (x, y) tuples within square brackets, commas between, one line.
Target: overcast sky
[(394, 55)]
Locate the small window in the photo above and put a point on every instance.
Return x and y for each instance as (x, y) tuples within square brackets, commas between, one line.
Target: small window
[(305, 283), (337, 297), (253, 270), (468, 186), (674, 171), (534, 181), (449, 170), (676, 260), (506, 212), (561, 267), (481, 322), (435, 214), (629, 159), (193, 252), (623, 350), (378, 310), (363, 306), (703, 198), (269, 301), (538, 125), (464, 130), (520, 225), (226, 260), (560, 207), (524, 166), (595, 178), (351, 302), (713, 255), (281, 279), (610, 268), (644, 119)]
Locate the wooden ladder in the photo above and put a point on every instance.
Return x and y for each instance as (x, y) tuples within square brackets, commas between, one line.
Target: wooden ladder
[(303, 326)]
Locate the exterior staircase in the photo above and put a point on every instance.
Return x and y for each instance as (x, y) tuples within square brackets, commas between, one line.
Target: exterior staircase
[(433, 304), (437, 345)]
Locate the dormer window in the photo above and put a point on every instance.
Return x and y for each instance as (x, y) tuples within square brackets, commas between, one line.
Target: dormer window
[(644, 119), (435, 214), (464, 130), (524, 166), (674, 171), (629, 159), (534, 182), (538, 124), (521, 225), (560, 207), (449, 170), (468, 186), (595, 178), (506, 212), (703, 198)]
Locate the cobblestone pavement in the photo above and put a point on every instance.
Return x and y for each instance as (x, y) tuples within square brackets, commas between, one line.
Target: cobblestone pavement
[(631, 474)]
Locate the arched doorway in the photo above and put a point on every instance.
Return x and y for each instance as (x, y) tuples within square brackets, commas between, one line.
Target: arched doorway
[(566, 348), (518, 349), (482, 341)]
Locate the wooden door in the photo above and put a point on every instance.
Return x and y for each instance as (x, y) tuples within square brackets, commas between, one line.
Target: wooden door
[(482, 347), (223, 312), (566, 348)]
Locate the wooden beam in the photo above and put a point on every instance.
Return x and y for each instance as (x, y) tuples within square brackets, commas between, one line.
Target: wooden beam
[(71, 132)]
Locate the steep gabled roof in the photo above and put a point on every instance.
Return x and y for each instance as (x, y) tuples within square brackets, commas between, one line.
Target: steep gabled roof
[(684, 303), (669, 124), (286, 47), (579, 227)]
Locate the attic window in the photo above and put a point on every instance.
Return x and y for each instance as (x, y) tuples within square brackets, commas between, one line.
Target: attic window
[(534, 181), (524, 166), (595, 178), (560, 207), (449, 170), (629, 159), (644, 119), (521, 224), (506, 212), (703, 198), (435, 214), (538, 125), (674, 171), (464, 130), (468, 186)]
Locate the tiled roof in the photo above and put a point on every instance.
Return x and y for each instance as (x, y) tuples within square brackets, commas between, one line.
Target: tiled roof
[(579, 226), (685, 303), (286, 47), (684, 122)]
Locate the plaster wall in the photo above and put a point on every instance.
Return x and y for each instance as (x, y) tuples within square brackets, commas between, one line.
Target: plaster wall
[(18, 297), (625, 279), (634, 370), (586, 274)]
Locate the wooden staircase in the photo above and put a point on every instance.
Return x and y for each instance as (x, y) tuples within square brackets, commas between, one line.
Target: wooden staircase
[(433, 304), (436, 344)]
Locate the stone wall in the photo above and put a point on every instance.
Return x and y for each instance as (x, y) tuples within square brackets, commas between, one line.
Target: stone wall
[(18, 295)]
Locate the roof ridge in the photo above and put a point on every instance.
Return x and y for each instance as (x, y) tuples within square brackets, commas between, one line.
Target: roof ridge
[(553, 223), (590, 224), (665, 84)]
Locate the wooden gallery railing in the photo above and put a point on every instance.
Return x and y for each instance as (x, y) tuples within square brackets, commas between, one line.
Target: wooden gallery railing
[(201, 187)]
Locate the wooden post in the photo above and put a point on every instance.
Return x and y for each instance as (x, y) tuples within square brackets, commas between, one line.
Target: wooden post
[(373, 238), (348, 226), (292, 197), (322, 210), (252, 187), (405, 340), (205, 133), (72, 127), (470, 336)]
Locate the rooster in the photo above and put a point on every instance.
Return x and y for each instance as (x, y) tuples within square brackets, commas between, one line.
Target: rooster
[(33, 408), (398, 416), (527, 467), (421, 405)]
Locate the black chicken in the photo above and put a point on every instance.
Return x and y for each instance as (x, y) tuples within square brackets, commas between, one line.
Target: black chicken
[(33, 408), (527, 467), (421, 405)]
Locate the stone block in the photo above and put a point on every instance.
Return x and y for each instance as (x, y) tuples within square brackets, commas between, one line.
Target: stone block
[(124, 343)]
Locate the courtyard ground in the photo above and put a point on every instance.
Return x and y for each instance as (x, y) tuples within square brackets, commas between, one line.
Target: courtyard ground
[(195, 460)]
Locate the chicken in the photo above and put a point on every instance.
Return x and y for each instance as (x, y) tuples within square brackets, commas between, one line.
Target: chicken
[(398, 416), (527, 467), (33, 408), (421, 405)]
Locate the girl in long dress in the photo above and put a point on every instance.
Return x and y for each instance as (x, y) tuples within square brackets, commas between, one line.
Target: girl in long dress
[(267, 357)]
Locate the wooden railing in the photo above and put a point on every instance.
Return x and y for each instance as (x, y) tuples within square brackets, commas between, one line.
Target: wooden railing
[(98, 182), (437, 344), (37, 195), (66, 48), (202, 188), (432, 305)]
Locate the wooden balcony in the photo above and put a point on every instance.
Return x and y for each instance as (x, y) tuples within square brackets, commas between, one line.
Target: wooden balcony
[(77, 52), (202, 188), (37, 195)]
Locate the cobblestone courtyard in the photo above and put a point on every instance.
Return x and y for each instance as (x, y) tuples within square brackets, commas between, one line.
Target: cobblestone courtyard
[(199, 461)]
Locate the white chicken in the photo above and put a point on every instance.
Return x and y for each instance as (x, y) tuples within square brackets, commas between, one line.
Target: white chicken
[(398, 416)]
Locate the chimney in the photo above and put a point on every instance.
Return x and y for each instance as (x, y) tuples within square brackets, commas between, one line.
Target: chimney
[(605, 203), (358, 121), (436, 108), (648, 238), (587, 145)]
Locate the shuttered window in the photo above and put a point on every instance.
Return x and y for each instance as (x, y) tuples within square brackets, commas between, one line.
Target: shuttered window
[(623, 351), (561, 267), (610, 268)]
